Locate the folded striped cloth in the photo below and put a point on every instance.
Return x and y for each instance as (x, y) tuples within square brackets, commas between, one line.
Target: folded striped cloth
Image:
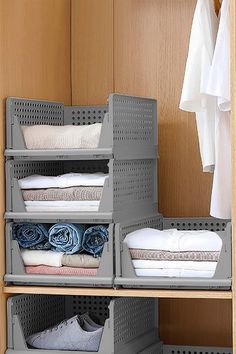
[(156, 255), (72, 193)]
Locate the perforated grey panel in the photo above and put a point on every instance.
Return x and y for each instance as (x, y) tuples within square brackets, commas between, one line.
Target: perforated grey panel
[(133, 317), (38, 312), (85, 115), (21, 169), (97, 306), (177, 349), (133, 119), (210, 224), (30, 112), (154, 222), (134, 181), (87, 166)]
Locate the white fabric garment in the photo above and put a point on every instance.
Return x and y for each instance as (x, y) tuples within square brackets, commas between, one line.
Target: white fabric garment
[(219, 87), (63, 181), (38, 208), (174, 273), (62, 205), (194, 98), (174, 240), (187, 265), (62, 137), (38, 257)]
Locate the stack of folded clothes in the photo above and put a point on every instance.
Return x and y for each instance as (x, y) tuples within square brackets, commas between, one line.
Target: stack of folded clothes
[(68, 192), (79, 333), (173, 253), (62, 249), (39, 137)]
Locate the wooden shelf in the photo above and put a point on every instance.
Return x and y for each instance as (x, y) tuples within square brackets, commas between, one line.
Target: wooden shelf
[(180, 294)]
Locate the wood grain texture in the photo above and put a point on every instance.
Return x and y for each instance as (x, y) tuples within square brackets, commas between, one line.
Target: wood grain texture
[(92, 51), (192, 322), (151, 43), (150, 51), (183, 294), (34, 63)]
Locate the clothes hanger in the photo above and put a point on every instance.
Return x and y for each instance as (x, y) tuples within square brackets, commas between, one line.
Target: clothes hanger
[(217, 4)]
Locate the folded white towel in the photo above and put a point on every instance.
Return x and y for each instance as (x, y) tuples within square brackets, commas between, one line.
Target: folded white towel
[(174, 273), (62, 137), (63, 181), (55, 209), (37, 257), (186, 265), (53, 206), (174, 240), (62, 203)]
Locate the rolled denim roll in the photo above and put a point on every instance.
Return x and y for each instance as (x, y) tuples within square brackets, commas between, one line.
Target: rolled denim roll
[(94, 240), (30, 235), (66, 238)]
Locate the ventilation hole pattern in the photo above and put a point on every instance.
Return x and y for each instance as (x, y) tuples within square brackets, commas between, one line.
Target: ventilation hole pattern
[(133, 181), (31, 112), (85, 115), (194, 350), (38, 312), (133, 317), (23, 169), (97, 306), (133, 120), (154, 223), (210, 224)]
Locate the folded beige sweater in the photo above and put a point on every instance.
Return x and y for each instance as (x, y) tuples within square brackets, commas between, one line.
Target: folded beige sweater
[(80, 261), (71, 193), (62, 137)]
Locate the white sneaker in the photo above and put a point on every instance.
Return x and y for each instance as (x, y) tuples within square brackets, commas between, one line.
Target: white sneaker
[(67, 335)]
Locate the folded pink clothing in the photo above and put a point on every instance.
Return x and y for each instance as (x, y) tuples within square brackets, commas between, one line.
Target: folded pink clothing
[(41, 269)]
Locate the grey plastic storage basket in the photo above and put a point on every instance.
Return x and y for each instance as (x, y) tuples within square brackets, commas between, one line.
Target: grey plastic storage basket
[(129, 323), (129, 191), (125, 273), (16, 274), (159, 348), (129, 127)]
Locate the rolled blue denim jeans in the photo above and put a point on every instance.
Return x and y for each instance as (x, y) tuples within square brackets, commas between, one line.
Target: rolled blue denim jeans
[(30, 235), (94, 239), (66, 238)]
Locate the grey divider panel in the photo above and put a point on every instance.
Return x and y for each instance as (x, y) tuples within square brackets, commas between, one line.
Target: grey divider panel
[(156, 348), (182, 349), (15, 270), (129, 323), (125, 273), (129, 127), (130, 190)]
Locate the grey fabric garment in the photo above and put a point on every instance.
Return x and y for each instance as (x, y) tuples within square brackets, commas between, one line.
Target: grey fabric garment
[(68, 194), (67, 335), (174, 256), (80, 261)]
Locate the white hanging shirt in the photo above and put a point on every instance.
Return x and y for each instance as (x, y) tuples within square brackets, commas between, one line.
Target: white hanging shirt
[(219, 87), (194, 97)]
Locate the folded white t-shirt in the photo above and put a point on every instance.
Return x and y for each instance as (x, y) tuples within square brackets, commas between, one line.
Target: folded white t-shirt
[(174, 240), (63, 181)]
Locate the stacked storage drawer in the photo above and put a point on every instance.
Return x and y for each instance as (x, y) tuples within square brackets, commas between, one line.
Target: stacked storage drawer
[(130, 324), (125, 272), (127, 153)]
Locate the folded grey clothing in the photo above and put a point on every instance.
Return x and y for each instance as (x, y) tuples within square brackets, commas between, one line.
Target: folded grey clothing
[(68, 194), (210, 256), (80, 261)]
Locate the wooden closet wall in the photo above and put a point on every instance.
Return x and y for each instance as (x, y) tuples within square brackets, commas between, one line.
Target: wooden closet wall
[(78, 51)]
